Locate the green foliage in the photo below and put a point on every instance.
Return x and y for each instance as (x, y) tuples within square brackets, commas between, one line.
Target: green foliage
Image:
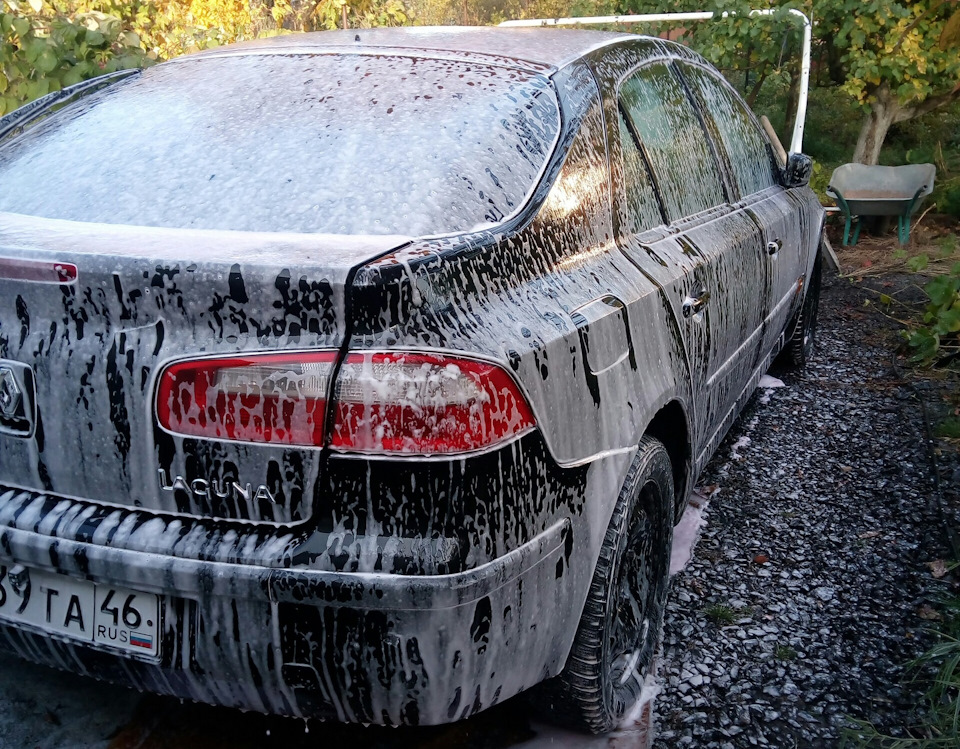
[(949, 201), (940, 332), (898, 44), (42, 50), (720, 614), (949, 428)]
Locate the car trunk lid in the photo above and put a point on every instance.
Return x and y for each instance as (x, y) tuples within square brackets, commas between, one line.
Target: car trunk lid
[(143, 297)]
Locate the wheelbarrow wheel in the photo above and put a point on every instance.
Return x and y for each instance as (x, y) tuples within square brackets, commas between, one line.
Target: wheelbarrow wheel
[(799, 348)]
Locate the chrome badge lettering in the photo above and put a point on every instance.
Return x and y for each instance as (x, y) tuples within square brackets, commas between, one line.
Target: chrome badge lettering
[(222, 489)]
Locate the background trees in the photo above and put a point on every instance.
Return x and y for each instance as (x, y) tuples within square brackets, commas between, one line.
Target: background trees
[(894, 60)]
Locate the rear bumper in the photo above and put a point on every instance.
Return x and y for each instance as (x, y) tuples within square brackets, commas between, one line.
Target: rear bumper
[(368, 647)]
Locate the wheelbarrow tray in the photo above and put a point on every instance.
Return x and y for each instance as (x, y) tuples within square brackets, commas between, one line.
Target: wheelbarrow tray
[(862, 190), (879, 203)]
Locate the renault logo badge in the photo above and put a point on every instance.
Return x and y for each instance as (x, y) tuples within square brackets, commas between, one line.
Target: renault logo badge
[(10, 394)]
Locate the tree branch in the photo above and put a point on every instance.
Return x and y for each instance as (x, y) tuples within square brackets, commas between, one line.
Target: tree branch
[(927, 105), (752, 98)]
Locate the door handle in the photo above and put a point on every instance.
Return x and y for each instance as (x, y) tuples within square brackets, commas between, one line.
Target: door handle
[(774, 247), (694, 305)]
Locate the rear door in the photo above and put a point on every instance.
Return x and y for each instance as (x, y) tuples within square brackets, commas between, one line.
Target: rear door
[(747, 152), (704, 254)]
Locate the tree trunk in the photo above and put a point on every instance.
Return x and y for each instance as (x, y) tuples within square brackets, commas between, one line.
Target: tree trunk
[(886, 110), (883, 113)]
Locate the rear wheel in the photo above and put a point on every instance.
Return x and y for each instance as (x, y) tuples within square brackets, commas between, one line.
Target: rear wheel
[(800, 347), (621, 623)]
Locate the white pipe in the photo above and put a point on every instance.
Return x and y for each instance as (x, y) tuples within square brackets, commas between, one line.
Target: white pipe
[(796, 142)]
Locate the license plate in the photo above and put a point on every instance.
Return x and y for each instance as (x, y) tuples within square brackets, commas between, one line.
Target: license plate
[(117, 618)]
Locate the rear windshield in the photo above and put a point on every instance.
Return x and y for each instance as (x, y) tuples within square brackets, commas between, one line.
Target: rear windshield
[(340, 144)]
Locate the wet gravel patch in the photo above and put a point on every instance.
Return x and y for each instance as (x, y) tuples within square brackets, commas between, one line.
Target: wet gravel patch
[(809, 590)]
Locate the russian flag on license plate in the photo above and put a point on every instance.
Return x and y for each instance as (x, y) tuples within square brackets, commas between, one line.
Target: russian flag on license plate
[(141, 641)]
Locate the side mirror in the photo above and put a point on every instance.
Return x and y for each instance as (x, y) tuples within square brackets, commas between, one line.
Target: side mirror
[(797, 171)]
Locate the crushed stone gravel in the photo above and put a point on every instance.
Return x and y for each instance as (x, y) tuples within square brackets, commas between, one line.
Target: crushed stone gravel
[(803, 602)]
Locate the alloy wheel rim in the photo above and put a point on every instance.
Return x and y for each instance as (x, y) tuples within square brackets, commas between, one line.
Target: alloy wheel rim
[(632, 629)]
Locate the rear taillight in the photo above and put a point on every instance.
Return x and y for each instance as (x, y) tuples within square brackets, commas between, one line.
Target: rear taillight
[(387, 403), (395, 403), (275, 398)]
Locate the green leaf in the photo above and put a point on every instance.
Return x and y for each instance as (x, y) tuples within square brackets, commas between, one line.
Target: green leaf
[(39, 88), (918, 263), (925, 343), (47, 61), (21, 26), (94, 38), (942, 290), (948, 322), (886, 299), (130, 39)]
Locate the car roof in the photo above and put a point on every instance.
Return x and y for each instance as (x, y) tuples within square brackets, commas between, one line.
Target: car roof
[(536, 48)]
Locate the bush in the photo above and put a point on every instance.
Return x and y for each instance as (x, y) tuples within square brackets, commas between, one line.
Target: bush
[(42, 52), (948, 199), (938, 339)]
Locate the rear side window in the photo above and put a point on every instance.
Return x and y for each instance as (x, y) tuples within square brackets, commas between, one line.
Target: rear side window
[(642, 208), (339, 144), (674, 141), (740, 136)]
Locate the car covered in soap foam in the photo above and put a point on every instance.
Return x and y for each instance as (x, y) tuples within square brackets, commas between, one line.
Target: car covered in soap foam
[(363, 375)]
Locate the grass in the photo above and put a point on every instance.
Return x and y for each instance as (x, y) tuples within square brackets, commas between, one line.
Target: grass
[(949, 428), (720, 614), (723, 614), (785, 653)]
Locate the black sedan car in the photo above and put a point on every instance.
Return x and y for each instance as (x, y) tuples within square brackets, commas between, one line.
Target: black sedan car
[(362, 375)]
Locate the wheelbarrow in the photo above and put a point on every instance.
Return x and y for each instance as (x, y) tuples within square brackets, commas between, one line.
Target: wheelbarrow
[(862, 190)]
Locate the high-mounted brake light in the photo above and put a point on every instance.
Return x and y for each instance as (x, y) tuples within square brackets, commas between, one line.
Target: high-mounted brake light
[(37, 271), (426, 404), (274, 398), (386, 403)]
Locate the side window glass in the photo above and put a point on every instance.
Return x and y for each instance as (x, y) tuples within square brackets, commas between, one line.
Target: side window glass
[(674, 141), (743, 141), (643, 210)]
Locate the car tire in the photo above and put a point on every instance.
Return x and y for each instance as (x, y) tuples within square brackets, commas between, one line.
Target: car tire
[(621, 623), (799, 349)]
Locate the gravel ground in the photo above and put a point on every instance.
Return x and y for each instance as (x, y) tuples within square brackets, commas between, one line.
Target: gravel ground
[(806, 596), (810, 589)]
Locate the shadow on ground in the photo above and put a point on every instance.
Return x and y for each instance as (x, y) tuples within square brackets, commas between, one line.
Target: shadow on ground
[(45, 709)]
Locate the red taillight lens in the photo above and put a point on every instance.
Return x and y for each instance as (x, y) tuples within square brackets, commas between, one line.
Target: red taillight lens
[(404, 403), (276, 398)]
